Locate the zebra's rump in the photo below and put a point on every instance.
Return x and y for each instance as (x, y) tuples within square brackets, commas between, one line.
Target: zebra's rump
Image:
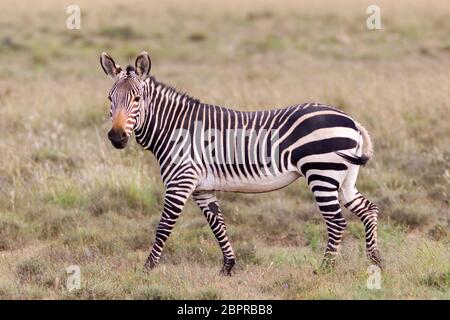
[(318, 131)]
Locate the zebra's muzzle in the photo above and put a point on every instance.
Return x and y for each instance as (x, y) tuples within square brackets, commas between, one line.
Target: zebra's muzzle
[(118, 138)]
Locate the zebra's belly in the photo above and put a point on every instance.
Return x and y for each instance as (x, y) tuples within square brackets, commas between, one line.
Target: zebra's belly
[(262, 184)]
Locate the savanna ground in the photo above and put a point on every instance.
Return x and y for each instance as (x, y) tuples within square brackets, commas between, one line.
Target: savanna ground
[(67, 197)]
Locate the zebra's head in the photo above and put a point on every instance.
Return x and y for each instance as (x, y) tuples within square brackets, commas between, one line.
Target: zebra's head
[(125, 96)]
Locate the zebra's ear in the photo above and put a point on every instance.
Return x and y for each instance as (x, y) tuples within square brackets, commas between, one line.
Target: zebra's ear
[(143, 65), (109, 66)]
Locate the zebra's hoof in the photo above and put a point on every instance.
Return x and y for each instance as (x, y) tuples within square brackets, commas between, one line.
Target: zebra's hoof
[(227, 268), (375, 257), (326, 267), (225, 272), (322, 270), (149, 265)]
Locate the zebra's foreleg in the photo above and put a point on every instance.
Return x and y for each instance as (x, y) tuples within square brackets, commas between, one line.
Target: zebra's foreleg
[(328, 204), (174, 202), (211, 210), (368, 213)]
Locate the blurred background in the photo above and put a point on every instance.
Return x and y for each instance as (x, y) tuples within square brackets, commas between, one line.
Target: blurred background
[(67, 197)]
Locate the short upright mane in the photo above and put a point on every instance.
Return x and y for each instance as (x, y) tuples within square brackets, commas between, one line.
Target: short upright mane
[(172, 89), (130, 69)]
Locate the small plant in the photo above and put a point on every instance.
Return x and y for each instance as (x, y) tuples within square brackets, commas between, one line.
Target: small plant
[(32, 270)]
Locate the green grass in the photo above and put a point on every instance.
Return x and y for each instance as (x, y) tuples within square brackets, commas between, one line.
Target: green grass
[(67, 197)]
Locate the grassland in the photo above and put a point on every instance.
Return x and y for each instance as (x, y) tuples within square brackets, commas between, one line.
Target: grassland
[(68, 198)]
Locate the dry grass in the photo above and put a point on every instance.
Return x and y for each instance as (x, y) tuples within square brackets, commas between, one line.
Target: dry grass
[(67, 197)]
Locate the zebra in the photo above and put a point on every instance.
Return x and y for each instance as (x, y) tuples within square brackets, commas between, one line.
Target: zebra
[(318, 142)]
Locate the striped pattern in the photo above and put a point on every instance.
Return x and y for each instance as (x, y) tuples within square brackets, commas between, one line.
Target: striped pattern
[(126, 90), (202, 148)]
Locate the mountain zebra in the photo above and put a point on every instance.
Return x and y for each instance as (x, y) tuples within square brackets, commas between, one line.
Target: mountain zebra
[(203, 148)]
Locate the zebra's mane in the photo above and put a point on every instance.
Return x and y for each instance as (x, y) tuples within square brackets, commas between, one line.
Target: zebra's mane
[(174, 90)]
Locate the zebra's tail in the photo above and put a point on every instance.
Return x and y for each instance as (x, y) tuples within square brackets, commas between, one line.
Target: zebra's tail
[(367, 148)]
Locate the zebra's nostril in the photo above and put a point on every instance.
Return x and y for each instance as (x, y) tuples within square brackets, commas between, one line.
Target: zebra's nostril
[(117, 135)]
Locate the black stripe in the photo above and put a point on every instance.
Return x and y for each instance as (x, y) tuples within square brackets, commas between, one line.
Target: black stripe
[(321, 188), (330, 208), (326, 199), (322, 166), (315, 177)]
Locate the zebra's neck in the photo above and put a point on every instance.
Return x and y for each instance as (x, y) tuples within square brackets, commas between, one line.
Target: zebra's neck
[(161, 104)]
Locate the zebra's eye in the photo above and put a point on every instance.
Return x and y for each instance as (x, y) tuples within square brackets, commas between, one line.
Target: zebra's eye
[(136, 99)]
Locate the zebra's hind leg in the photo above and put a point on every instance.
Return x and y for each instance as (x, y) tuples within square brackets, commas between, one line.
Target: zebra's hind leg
[(366, 211), (328, 203), (211, 210)]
